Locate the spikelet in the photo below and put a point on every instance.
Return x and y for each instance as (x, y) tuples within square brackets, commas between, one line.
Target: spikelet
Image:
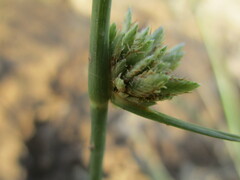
[(142, 66)]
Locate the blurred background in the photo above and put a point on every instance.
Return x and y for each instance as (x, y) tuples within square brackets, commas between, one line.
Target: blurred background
[(44, 114)]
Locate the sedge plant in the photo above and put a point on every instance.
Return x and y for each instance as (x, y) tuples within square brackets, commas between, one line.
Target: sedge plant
[(133, 69)]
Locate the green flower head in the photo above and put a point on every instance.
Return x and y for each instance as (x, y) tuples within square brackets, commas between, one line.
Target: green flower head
[(142, 66)]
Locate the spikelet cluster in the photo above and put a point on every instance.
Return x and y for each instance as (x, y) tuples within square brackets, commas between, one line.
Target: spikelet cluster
[(142, 66)]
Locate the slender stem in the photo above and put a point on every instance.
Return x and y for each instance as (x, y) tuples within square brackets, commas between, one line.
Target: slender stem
[(97, 141), (98, 83)]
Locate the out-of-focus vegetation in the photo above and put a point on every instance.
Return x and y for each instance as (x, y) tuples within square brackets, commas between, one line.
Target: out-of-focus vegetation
[(44, 116)]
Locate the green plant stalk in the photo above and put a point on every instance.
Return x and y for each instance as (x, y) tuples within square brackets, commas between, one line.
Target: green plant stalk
[(98, 132), (98, 83)]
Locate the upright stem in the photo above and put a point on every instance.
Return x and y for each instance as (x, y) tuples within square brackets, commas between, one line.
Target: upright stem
[(98, 82)]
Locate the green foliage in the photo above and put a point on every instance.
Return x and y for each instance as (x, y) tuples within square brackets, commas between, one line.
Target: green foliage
[(142, 66)]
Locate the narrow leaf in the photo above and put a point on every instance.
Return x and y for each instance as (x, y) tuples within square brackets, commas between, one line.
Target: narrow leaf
[(165, 119)]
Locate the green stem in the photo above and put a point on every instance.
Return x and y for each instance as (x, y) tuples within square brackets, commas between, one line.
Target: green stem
[(98, 82), (97, 141)]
